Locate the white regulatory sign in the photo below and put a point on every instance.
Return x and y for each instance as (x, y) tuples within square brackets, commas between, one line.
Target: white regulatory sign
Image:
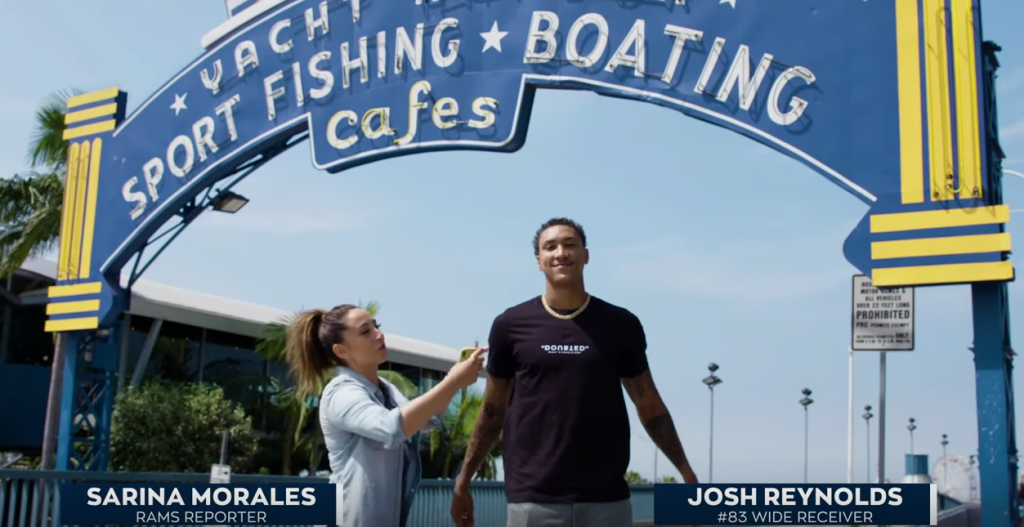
[(220, 474), (883, 319)]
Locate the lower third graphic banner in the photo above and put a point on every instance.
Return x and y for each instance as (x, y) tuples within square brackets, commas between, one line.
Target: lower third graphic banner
[(200, 504), (907, 504)]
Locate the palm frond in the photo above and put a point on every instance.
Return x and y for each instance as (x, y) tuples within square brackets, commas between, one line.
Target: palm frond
[(404, 385), (30, 217), (273, 339), (372, 307), (435, 440), (23, 194), (47, 146)]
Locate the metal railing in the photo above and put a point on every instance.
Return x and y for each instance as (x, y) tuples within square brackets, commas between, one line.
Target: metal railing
[(31, 498)]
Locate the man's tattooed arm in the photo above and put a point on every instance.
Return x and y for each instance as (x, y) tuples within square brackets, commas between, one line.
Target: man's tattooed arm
[(656, 419), (487, 429)]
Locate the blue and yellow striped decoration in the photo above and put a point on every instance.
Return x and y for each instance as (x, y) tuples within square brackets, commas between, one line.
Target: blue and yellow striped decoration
[(973, 237), (940, 157), (89, 120), (940, 133)]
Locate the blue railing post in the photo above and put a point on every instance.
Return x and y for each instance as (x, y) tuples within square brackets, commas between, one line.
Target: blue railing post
[(68, 399), (997, 446), (87, 401)]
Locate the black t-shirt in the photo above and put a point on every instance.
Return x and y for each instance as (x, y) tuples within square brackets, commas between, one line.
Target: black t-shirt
[(566, 433)]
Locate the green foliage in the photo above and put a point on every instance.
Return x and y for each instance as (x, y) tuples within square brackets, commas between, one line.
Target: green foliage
[(668, 479), (30, 215), (635, 478), (273, 339), (47, 147), (31, 203), (403, 383), (173, 427), (444, 453)]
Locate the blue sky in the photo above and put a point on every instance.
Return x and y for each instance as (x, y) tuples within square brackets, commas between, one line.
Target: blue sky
[(443, 242)]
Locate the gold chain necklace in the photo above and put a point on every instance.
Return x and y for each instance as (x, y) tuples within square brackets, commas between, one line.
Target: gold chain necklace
[(558, 315)]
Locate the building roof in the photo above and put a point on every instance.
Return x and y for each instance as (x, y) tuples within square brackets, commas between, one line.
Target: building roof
[(172, 304)]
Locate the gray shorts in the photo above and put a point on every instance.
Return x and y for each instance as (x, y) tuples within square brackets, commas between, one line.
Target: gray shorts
[(613, 514)]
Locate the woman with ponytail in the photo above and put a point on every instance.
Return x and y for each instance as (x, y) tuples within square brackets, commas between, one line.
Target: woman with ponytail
[(369, 428)]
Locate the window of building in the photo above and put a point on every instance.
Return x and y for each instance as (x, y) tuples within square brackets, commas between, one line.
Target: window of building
[(409, 372), (176, 354), (27, 342), (281, 374), (231, 362), (138, 330), (430, 379)]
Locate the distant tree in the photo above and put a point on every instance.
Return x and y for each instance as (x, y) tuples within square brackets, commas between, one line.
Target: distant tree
[(31, 202), (174, 427), (635, 477), (668, 479)]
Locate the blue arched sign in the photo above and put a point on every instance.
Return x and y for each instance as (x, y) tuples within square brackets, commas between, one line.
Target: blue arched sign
[(887, 99)]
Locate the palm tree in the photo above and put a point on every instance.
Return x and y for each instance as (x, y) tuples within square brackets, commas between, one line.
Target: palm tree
[(30, 216), (668, 479), (447, 447), (30, 203), (635, 477)]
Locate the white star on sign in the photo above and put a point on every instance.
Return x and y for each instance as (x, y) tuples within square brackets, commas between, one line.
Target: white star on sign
[(492, 38), (179, 104), (730, 2)]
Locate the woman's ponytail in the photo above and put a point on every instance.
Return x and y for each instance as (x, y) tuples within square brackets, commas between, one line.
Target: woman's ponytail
[(309, 353)]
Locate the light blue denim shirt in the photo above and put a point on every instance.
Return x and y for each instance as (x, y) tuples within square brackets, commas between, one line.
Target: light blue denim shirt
[(367, 450)]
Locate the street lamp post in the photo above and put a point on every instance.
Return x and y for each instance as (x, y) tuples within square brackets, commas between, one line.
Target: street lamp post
[(911, 427), (974, 487), (655, 463), (711, 381), (867, 420), (805, 402), (944, 443)]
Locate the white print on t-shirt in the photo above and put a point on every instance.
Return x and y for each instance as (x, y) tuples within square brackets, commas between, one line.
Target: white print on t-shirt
[(565, 350)]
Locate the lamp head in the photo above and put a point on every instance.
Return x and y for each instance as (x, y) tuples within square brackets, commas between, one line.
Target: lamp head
[(229, 202)]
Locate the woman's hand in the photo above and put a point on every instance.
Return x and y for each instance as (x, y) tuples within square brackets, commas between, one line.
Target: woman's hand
[(465, 373)]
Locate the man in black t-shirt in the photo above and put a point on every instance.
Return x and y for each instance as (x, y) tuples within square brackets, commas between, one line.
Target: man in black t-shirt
[(555, 372)]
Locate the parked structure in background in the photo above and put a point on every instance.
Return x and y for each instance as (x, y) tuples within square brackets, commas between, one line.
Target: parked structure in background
[(176, 335)]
